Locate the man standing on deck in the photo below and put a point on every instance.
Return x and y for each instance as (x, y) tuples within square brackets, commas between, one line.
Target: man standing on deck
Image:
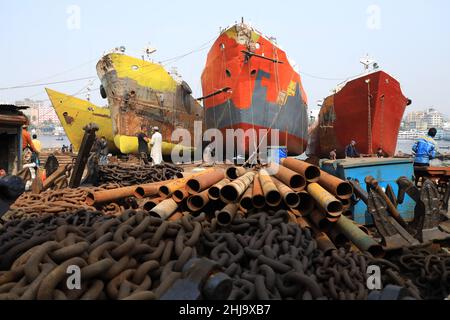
[(350, 150), (156, 143), (143, 144), (425, 149)]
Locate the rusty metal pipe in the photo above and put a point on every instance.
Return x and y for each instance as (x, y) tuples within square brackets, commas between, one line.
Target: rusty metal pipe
[(338, 187), (362, 241), (359, 192), (226, 215), (235, 189), (164, 209), (324, 243), (319, 220), (306, 204), (270, 190), (214, 191), (233, 173), (290, 197), (307, 170), (148, 190), (180, 195), (289, 177), (176, 216), (338, 238), (55, 175), (246, 200), (373, 183), (197, 201), (171, 187), (148, 205), (111, 195), (199, 183), (325, 200), (303, 223), (258, 199)]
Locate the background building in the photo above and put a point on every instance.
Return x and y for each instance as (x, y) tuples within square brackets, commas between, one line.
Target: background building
[(39, 112), (423, 120)]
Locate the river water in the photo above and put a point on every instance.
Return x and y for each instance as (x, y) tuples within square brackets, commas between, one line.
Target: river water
[(52, 142)]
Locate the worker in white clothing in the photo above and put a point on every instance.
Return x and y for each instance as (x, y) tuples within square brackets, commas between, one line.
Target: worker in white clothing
[(156, 143)]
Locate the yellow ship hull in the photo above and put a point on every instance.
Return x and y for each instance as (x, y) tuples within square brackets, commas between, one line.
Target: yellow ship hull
[(74, 114)]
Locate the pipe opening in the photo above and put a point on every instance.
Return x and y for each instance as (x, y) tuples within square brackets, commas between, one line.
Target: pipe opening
[(214, 193), (312, 173), (229, 193), (292, 199), (194, 185), (140, 192), (223, 218), (164, 190), (306, 202), (178, 195), (297, 181), (258, 201), (246, 203), (154, 214), (348, 214), (196, 202), (334, 207), (273, 197), (344, 190), (149, 205), (90, 199), (231, 173), (376, 250), (340, 240), (179, 175)]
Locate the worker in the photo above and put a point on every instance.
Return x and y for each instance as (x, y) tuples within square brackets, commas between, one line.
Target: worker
[(26, 139), (156, 143), (333, 154), (103, 152), (143, 141), (2, 172), (350, 150), (425, 149)]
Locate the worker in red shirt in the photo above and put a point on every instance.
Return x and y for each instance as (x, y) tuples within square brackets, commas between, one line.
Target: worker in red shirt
[(26, 139)]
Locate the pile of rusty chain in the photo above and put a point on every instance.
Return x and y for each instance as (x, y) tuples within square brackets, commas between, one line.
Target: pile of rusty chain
[(269, 258), (30, 205), (132, 257), (134, 174), (425, 274)]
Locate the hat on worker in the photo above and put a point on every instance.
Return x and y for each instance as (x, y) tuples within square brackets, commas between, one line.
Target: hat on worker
[(156, 128)]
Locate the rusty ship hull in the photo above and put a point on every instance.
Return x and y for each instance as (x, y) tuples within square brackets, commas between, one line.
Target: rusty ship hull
[(368, 109), (141, 92), (249, 83)]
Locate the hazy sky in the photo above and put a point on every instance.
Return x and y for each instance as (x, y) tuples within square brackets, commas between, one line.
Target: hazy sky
[(44, 41)]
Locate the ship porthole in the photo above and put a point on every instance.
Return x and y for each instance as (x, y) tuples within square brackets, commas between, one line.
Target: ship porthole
[(228, 73), (253, 73), (222, 46), (134, 67), (257, 45)]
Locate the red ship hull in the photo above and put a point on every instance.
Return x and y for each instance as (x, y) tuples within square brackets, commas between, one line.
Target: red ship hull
[(263, 91), (368, 110)]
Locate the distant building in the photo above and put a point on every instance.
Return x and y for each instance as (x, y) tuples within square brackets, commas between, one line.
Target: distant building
[(423, 120), (39, 112), (434, 119)]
